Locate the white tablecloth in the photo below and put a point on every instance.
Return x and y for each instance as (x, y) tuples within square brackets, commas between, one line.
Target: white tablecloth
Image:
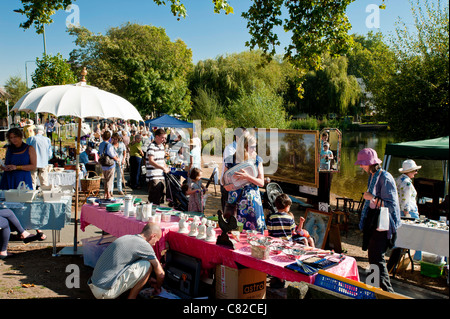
[(62, 178), (423, 238)]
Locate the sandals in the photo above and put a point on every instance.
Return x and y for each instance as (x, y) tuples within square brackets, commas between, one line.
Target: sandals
[(39, 236)]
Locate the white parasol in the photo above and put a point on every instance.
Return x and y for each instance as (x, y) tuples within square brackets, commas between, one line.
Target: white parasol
[(78, 100)]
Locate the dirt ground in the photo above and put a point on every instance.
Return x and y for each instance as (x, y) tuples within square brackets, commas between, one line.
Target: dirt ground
[(34, 273)]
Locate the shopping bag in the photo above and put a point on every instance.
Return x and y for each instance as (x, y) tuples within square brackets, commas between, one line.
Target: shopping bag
[(383, 219)]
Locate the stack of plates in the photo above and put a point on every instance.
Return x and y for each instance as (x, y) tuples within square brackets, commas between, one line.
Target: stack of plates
[(113, 207)]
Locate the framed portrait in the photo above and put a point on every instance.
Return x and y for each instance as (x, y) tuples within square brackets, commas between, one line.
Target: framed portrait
[(318, 223), (330, 150), (290, 155)]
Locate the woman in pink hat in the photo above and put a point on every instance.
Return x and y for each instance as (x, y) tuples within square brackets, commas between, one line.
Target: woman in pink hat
[(381, 185), (406, 192)]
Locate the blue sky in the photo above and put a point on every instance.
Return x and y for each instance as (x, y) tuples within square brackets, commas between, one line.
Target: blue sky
[(206, 33)]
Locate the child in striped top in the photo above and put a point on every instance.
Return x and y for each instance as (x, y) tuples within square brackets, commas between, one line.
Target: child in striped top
[(281, 224)]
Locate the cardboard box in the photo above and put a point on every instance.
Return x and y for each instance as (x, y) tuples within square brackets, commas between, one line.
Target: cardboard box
[(243, 283)]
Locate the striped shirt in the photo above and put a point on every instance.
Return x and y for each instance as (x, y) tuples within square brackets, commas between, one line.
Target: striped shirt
[(280, 225), (120, 255), (158, 153)]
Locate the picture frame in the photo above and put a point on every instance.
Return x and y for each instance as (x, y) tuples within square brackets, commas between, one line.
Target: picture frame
[(290, 155), (318, 223)]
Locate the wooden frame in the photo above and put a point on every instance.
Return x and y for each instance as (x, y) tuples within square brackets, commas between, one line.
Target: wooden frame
[(318, 223), (296, 158)]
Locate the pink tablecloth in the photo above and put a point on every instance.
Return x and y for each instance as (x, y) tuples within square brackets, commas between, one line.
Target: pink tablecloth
[(118, 225), (212, 255)]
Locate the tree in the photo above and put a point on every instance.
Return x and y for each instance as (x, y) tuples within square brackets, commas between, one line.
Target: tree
[(52, 70), (139, 63), (417, 101), (39, 12), (15, 88), (372, 60), (226, 76), (260, 108), (316, 27), (330, 89)]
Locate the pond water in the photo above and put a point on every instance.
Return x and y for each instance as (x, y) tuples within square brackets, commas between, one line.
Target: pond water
[(351, 180)]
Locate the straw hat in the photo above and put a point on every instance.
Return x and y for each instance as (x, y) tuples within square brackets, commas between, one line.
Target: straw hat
[(367, 156), (191, 142), (408, 166)]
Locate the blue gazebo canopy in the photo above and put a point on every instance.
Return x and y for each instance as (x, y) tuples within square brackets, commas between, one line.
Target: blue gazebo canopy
[(168, 121)]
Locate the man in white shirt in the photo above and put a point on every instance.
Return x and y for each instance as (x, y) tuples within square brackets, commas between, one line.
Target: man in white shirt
[(43, 147)]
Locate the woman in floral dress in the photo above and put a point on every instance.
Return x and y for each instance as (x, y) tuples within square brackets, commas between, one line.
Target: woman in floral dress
[(248, 199)]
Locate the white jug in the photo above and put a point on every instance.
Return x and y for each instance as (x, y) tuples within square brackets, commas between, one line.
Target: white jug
[(127, 205), (147, 212)]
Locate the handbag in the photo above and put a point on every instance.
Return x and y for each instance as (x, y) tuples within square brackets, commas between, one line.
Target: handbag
[(370, 224), (105, 159)]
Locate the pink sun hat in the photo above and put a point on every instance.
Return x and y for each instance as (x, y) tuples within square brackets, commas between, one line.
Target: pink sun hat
[(368, 156)]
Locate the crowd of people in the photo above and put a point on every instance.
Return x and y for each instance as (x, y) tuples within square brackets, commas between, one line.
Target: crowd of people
[(120, 146)]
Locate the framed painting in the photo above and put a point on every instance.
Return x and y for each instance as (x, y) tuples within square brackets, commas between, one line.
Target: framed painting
[(318, 223), (290, 155)]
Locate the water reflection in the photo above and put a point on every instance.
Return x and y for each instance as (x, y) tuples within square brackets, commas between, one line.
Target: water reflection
[(351, 180)]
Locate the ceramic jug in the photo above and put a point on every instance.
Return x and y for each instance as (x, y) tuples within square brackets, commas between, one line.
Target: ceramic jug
[(128, 202)]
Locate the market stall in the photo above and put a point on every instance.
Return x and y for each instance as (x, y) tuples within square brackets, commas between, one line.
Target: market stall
[(211, 254), (43, 215)]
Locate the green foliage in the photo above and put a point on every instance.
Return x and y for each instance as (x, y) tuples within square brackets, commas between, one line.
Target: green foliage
[(208, 110), (417, 101), (52, 70), (316, 27), (227, 75), (16, 88), (39, 12), (261, 108), (329, 90), (372, 60), (139, 63)]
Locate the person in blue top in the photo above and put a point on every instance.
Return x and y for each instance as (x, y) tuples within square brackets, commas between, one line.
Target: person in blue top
[(381, 185), (20, 160), (247, 198), (108, 171), (43, 147), (325, 157)]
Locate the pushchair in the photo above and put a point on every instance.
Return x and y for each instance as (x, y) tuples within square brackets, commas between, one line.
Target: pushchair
[(174, 194), (271, 193)]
